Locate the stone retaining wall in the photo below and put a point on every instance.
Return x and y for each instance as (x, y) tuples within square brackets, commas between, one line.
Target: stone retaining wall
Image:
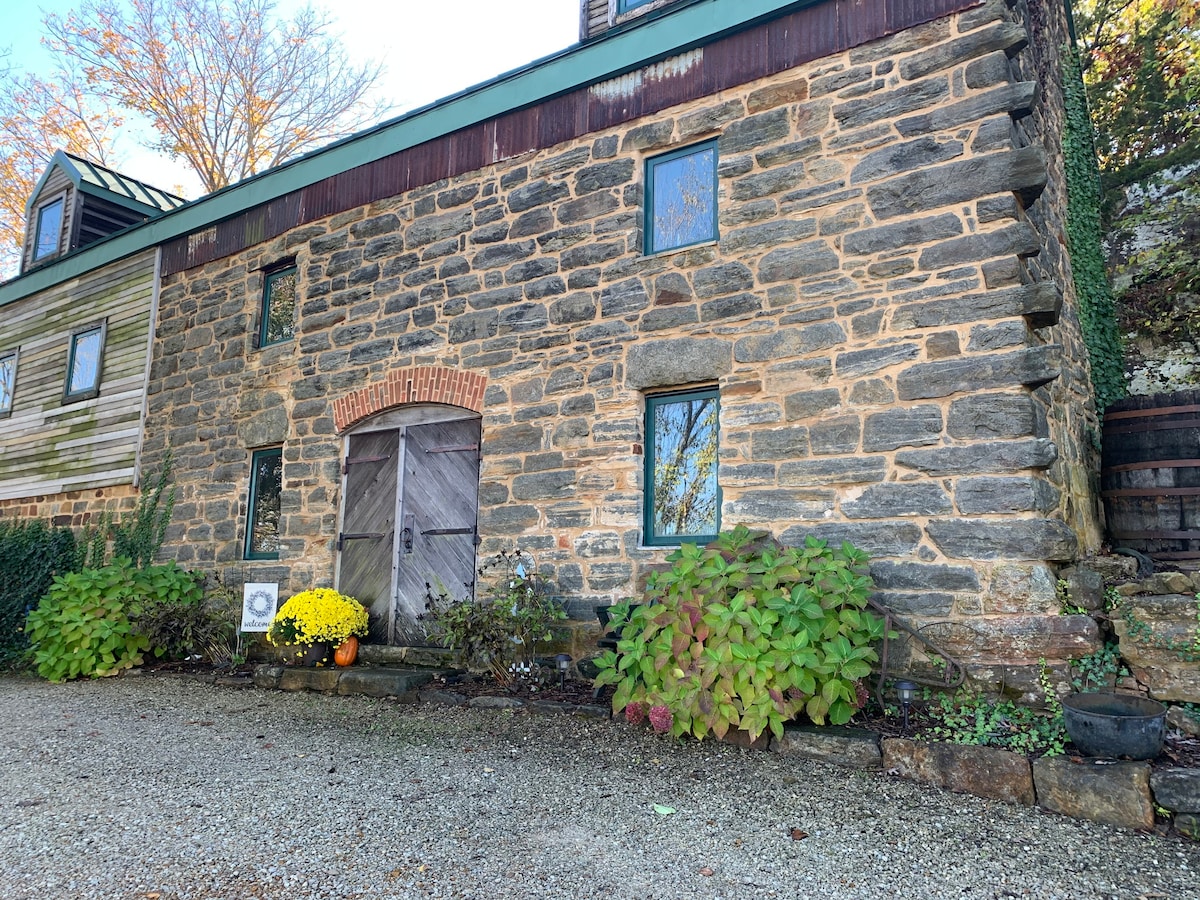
[(887, 314)]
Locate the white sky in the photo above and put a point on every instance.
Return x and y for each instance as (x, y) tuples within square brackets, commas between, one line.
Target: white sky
[(430, 50)]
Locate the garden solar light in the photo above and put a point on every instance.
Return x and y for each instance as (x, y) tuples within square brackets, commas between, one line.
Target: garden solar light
[(905, 691), (563, 661)]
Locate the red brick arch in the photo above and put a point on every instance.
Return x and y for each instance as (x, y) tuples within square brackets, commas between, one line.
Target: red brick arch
[(415, 384)]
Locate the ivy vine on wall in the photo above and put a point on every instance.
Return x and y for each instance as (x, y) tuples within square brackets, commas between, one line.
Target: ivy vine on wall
[(1097, 311)]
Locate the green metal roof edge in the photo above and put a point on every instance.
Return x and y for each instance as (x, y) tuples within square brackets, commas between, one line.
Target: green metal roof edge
[(132, 203), (575, 67)]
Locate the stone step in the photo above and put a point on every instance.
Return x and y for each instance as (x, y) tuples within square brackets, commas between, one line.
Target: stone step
[(370, 681), (386, 655)]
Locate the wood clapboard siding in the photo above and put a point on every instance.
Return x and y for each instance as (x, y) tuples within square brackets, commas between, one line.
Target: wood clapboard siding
[(47, 446), (595, 18)]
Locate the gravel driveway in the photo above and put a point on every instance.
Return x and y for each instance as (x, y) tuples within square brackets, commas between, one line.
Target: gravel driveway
[(165, 788)]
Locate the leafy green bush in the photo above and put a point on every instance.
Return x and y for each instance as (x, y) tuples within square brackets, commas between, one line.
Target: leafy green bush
[(86, 624), (498, 631), (746, 634), (182, 620), (31, 554)]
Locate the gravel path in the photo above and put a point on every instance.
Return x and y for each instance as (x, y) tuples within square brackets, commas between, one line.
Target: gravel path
[(164, 789)]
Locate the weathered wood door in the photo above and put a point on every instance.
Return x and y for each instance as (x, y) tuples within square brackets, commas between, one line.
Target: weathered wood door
[(367, 541), (411, 500), (438, 508)]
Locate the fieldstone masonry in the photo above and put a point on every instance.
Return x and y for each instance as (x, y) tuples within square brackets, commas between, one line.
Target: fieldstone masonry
[(888, 315)]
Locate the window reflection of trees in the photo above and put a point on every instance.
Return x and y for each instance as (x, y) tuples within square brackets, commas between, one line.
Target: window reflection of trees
[(268, 482), (685, 467), (281, 307), (684, 200), (85, 364), (7, 372)]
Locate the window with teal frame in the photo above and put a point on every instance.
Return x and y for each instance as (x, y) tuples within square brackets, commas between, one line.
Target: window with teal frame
[(49, 229), (681, 198), (278, 318), (624, 6), (262, 520), (682, 497), (84, 363), (8, 381)]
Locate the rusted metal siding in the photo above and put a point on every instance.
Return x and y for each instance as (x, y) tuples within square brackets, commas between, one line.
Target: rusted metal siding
[(764, 49)]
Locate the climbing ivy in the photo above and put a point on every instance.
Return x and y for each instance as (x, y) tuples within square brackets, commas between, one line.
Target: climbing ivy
[(1097, 311)]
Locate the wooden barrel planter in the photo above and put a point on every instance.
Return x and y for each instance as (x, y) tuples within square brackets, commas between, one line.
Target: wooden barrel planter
[(1150, 475)]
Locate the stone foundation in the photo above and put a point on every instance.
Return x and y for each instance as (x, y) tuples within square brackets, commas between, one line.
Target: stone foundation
[(74, 509)]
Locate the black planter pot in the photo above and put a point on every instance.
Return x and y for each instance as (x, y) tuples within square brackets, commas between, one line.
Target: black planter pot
[(1115, 725)]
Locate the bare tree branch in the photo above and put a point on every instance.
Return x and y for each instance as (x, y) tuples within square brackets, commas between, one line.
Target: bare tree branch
[(230, 88)]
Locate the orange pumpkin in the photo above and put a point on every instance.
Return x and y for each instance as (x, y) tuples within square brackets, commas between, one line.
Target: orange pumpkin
[(346, 652)]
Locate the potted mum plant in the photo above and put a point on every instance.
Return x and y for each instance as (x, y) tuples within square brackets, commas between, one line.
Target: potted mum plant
[(315, 624)]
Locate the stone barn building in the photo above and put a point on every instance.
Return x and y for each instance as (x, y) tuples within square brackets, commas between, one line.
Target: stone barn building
[(800, 266)]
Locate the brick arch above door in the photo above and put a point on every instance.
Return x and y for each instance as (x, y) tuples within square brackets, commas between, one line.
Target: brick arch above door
[(412, 384)]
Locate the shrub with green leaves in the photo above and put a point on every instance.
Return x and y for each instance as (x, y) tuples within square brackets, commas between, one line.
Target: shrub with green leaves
[(746, 634), (31, 554), (181, 619), (86, 624)]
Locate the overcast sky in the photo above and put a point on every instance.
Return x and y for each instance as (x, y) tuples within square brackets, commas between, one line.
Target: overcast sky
[(430, 50)]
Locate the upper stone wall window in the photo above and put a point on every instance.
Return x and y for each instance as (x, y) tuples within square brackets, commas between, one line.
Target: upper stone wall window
[(683, 499), (49, 229), (8, 381), (85, 363), (681, 198), (262, 524), (278, 316)]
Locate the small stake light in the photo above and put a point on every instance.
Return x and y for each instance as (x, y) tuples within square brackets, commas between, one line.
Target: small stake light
[(563, 661), (905, 692)]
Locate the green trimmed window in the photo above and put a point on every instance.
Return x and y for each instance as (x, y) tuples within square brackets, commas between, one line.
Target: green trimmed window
[(681, 198), (84, 363), (49, 229), (8, 381), (278, 318), (683, 500), (262, 523), (624, 6)]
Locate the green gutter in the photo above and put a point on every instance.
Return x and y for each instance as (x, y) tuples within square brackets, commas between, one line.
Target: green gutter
[(625, 50)]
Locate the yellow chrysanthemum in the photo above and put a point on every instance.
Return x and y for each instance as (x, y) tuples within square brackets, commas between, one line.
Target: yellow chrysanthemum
[(320, 615)]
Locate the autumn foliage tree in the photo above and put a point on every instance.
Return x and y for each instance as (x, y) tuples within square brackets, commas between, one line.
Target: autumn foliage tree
[(1141, 67), (226, 84), (38, 117)]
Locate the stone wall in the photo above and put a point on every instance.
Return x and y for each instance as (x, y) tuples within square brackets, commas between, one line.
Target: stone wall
[(74, 509), (881, 315)]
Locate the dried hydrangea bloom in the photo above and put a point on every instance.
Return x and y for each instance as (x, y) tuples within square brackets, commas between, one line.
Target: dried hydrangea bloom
[(661, 719)]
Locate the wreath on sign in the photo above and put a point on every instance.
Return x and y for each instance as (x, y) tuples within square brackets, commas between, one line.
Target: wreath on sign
[(258, 604)]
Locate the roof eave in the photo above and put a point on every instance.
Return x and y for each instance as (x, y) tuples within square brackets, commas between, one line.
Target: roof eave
[(609, 56)]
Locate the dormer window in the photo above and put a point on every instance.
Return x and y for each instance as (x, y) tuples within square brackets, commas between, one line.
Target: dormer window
[(77, 202), (49, 229)]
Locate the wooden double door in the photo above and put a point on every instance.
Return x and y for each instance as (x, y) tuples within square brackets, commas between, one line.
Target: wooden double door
[(409, 520)]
